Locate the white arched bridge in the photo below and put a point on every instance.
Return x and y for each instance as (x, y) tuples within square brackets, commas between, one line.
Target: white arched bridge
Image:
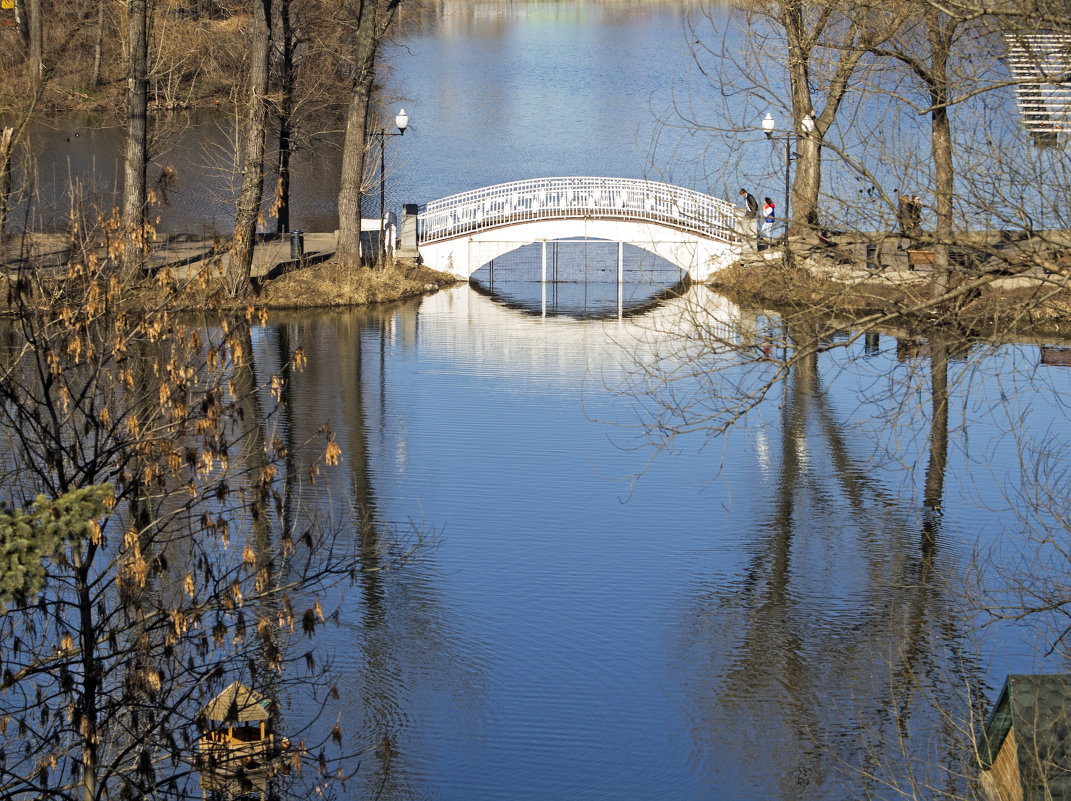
[(698, 233)]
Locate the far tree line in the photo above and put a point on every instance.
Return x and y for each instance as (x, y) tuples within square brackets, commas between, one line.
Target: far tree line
[(845, 77), (282, 62), (289, 60)]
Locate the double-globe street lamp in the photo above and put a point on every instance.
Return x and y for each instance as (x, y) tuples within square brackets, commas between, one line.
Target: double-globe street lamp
[(768, 126), (402, 121)]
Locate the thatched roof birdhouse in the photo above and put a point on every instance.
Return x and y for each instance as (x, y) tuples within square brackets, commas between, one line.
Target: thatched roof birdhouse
[(237, 704)]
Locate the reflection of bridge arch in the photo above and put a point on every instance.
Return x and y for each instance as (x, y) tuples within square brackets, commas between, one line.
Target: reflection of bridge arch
[(568, 348), (696, 232)]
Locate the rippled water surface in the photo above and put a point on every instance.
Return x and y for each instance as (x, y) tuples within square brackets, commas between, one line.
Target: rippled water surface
[(748, 617), (735, 619)]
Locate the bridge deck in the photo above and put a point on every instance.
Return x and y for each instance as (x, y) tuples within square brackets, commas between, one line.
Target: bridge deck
[(571, 198)]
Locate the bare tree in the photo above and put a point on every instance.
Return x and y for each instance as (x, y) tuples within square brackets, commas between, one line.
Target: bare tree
[(135, 192), (285, 49), (98, 46), (22, 21), (254, 132), (823, 44), (371, 21), (35, 38), (6, 141), (926, 47), (188, 577)]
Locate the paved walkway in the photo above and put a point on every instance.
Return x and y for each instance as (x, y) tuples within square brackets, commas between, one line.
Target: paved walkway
[(184, 254), (271, 257)]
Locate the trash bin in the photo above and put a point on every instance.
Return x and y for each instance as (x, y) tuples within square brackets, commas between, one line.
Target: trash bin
[(871, 256), (297, 244)]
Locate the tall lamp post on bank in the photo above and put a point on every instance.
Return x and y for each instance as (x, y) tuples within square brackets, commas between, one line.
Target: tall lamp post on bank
[(402, 121), (768, 126)]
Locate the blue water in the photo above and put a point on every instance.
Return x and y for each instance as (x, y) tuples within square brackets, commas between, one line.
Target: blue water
[(737, 617), (747, 616)]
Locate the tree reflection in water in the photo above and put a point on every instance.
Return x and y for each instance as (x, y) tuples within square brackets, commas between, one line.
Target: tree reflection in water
[(395, 614), (844, 656)]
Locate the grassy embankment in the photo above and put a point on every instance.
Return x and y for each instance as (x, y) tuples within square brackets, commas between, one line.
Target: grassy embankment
[(1026, 292), (43, 262)]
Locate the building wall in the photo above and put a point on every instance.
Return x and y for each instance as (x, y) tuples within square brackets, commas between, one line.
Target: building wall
[(1002, 781)]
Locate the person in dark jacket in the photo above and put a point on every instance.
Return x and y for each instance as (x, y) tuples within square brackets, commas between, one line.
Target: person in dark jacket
[(903, 218), (751, 218)]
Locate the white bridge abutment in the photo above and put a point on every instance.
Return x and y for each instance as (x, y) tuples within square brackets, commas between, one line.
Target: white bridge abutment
[(698, 256)]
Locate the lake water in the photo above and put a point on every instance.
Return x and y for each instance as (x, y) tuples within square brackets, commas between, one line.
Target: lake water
[(756, 616), (752, 617)]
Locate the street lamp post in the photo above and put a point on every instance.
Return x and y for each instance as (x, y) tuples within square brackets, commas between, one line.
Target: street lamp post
[(768, 126), (402, 121)]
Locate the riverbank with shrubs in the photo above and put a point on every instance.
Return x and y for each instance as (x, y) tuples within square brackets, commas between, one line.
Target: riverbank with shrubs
[(1023, 290)]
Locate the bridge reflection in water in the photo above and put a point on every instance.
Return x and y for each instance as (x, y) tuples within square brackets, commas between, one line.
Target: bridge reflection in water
[(579, 278)]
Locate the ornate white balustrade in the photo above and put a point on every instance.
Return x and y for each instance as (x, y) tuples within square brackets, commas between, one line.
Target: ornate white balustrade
[(1040, 65), (572, 198)]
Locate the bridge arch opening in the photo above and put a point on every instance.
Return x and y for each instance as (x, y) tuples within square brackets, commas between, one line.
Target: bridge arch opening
[(575, 277)]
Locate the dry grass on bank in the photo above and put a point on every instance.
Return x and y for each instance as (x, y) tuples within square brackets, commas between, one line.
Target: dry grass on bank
[(331, 284), (321, 286), (1040, 305), (42, 261)]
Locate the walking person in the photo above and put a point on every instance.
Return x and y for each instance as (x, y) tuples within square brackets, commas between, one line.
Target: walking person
[(916, 217), (903, 219), (769, 215), (751, 221)]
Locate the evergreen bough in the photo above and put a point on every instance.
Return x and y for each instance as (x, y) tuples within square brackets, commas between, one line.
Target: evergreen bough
[(28, 538)]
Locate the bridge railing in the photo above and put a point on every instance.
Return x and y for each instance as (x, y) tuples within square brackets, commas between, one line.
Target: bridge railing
[(569, 198)]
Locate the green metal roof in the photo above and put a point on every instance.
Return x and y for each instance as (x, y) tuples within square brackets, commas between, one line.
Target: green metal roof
[(1039, 709)]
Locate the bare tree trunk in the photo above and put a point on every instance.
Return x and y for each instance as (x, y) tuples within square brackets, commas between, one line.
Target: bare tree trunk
[(36, 41), (22, 21), (98, 46), (353, 149), (807, 183), (286, 112), (847, 31), (931, 68), (808, 180), (375, 18), (6, 135), (940, 39), (253, 138), (134, 188)]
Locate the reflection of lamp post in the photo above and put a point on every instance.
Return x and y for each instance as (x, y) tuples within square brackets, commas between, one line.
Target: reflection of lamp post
[(768, 125), (402, 121)]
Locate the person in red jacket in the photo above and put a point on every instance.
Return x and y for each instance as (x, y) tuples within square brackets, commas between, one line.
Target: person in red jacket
[(766, 224)]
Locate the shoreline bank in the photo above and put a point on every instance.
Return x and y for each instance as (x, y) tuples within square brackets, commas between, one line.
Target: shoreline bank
[(192, 274), (1010, 291)]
